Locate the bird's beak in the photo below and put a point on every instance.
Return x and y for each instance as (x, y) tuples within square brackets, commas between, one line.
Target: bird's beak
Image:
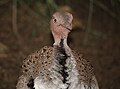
[(68, 26)]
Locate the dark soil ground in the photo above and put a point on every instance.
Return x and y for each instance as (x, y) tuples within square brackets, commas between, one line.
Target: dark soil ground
[(101, 45)]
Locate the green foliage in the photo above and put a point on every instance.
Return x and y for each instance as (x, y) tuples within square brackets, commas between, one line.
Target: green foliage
[(51, 7), (2, 2), (28, 2)]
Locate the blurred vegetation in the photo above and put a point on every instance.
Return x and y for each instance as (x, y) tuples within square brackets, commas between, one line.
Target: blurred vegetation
[(46, 8), (24, 27)]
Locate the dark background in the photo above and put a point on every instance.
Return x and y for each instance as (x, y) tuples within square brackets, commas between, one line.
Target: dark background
[(24, 27)]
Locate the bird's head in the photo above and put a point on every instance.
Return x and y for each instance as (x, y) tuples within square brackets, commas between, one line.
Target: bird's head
[(61, 24)]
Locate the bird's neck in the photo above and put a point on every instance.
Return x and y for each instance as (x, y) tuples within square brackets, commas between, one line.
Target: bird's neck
[(61, 43)]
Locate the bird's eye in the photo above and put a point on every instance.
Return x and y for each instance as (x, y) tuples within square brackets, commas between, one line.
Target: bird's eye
[(55, 20)]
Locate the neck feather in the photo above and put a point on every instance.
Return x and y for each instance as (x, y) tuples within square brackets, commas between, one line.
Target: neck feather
[(61, 43)]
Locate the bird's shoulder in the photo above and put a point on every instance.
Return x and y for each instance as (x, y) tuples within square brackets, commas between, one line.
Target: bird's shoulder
[(37, 61), (33, 65), (84, 67)]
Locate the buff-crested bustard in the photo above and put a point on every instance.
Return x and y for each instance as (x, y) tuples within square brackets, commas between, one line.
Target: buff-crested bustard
[(57, 67)]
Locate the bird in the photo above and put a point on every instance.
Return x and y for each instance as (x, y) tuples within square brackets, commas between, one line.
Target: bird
[(57, 66)]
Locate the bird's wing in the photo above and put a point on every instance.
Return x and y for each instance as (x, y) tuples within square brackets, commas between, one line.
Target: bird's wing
[(94, 83), (85, 70), (33, 66)]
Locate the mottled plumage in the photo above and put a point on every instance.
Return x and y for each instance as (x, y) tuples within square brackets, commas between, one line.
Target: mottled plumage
[(57, 67)]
